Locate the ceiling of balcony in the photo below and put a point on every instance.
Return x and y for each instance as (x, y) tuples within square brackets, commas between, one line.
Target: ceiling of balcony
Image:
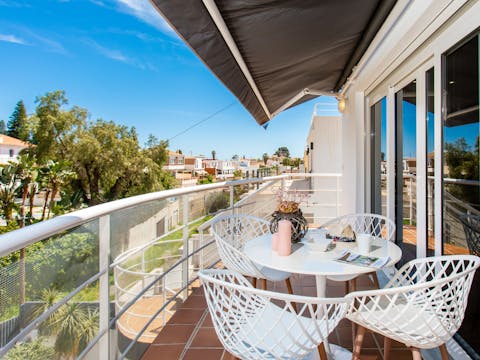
[(268, 51)]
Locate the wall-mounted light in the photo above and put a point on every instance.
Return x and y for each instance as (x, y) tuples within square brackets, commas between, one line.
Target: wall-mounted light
[(342, 104)]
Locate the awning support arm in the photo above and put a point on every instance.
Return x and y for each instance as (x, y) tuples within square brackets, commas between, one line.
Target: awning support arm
[(227, 36), (300, 95)]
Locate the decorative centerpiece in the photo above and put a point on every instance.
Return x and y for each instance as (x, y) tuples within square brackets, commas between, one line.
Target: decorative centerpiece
[(289, 209)]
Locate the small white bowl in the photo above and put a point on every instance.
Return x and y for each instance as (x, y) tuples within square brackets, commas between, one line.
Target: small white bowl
[(320, 245)]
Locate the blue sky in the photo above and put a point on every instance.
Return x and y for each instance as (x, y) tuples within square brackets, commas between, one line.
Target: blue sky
[(119, 59)]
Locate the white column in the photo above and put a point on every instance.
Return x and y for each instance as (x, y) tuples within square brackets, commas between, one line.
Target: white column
[(104, 286), (391, 154), (185, 246), (421, 195)]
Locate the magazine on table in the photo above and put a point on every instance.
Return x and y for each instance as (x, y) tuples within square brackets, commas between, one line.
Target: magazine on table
[(362, 260)]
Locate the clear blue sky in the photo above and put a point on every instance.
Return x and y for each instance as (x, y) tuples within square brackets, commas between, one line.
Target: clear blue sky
[(118, 59)]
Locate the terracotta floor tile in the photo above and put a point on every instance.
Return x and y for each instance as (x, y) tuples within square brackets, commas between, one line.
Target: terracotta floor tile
[(207, 322), (174, 334), (164, 352), (206, 337), (203, 354), (195, 302), (401, 354), (186, 316)]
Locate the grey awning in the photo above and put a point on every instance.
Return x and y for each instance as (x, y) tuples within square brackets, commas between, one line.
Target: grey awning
[(267, 52)]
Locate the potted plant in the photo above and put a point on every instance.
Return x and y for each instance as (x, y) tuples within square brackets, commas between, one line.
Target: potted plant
[(289, 209)]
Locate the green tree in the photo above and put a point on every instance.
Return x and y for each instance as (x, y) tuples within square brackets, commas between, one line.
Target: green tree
[(463, 163), (55, 129), (18, 123), (282, 151)]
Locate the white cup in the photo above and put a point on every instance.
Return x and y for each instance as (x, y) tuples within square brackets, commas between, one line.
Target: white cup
[(364, 243), (317, 235)]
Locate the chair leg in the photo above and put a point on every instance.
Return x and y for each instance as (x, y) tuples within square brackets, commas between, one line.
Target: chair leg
[(289, 286), (322, 352), (444, 352), (416, 354), (254, 282), (352, 284), (387, 345), (375, 280), (264, 284), (357, 345)]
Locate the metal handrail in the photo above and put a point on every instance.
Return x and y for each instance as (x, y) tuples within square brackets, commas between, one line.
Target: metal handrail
[(21, 238), (140, 294)]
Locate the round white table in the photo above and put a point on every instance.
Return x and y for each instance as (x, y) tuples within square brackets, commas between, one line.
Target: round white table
[(320, 264)]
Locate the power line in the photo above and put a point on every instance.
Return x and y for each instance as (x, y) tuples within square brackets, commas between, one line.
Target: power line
[(203, 120)]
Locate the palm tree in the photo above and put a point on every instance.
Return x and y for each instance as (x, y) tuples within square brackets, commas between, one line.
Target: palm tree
[(265, 158), (55, 175), (8, 188), (214, 153), (73, 325), (27, 173)]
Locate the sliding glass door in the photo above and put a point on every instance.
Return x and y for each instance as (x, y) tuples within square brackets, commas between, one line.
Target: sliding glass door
[(378, 162), (461, 181)]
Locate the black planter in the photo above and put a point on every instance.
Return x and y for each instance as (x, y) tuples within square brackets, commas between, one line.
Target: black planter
[(299, 223)]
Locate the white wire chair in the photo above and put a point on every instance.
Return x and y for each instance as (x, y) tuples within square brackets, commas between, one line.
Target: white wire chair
[(258, 324), (373, 224), (422, 306), (231, 233)]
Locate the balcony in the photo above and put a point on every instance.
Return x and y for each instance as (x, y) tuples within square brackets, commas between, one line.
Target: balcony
[(128, 269)]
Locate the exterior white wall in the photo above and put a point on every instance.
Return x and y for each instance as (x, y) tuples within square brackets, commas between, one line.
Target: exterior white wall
[(326, 136), (5, 152)]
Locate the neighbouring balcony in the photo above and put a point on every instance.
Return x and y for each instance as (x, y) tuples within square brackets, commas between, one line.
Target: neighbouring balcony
[(104, 282)]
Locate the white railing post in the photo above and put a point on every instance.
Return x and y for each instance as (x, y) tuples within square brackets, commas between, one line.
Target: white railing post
[(232, 197), (104, 286), (186, 250), (410, 197)]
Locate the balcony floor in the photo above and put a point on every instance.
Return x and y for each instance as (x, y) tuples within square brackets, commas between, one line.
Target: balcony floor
[(190, 334)]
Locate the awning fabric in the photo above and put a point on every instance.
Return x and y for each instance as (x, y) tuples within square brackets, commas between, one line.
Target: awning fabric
[(286, 45)]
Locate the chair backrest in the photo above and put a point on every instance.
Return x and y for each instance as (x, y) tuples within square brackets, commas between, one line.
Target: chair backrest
[(423, 305), (374, 224), (259, 324), (231, 232), (471, 225)]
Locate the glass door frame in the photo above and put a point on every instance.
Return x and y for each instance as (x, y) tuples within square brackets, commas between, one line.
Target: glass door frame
[(389, 91)]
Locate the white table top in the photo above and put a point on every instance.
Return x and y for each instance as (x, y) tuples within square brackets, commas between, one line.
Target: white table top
[(304, 261)]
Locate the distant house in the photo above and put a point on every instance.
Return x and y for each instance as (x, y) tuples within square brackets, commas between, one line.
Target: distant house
[(176, 162), (10, 148), (222, 169), (194, 165), (246, 166)]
